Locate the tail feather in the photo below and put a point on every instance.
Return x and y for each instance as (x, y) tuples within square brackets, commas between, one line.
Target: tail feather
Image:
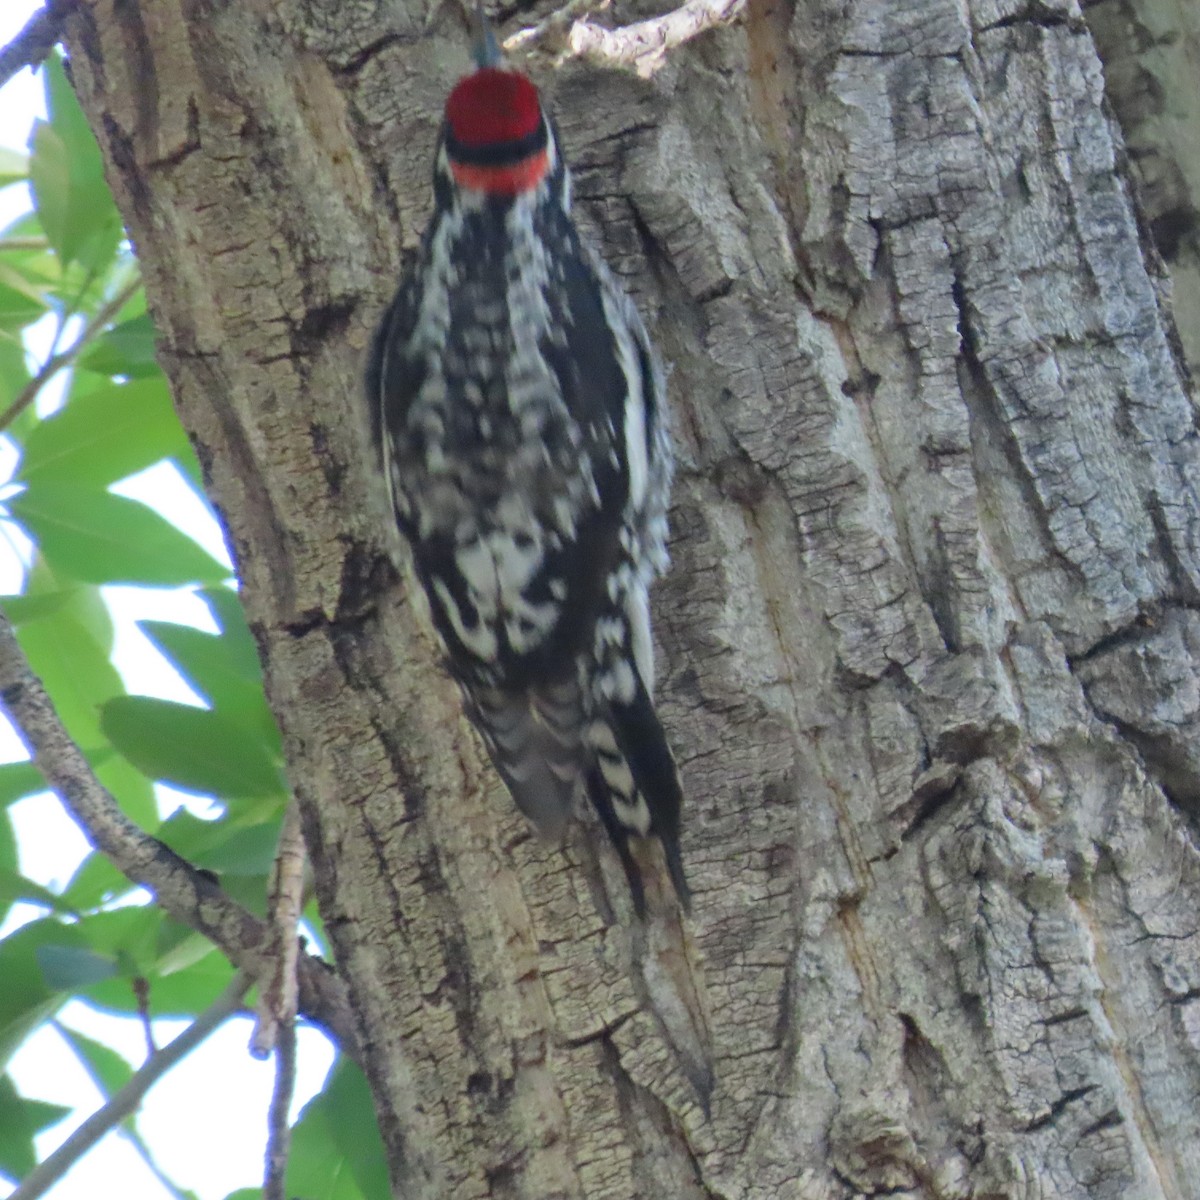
[(547, 740), (635, 786), (534, 739)]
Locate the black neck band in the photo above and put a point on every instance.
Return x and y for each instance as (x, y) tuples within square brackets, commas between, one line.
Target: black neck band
[(497, 154)]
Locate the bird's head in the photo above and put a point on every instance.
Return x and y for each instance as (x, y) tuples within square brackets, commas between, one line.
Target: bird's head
[(496, 138), (497, 142)]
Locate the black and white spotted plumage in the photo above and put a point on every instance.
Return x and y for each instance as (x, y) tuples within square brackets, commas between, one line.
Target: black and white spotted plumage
[(521, 411)]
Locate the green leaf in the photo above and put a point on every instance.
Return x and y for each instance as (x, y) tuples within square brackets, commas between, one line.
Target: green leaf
[(23, 225), (18, 780), (106, 435), (14, 166), (250, 891), (249, 851), (130, 787), (180, 993), (125, 349), (40, 601), (50, 175), (223, 669), (20, 302), (180, 948), (8, 843), (67, 636), (128, 937), (108, 1069), (20, 1120), (194, 748), (214, 664), (336, 1151), (95, 881), (226, 607), (67, 117), (222, 845), (139, 943), (14, 886), (14, 373), (97, 537), (9, 862), (26, 999), (67, 172), (110, 1072), (67, 968), (47, 593), (351, 1115)]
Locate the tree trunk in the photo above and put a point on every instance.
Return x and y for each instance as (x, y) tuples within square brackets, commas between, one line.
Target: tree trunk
[(927, 649)]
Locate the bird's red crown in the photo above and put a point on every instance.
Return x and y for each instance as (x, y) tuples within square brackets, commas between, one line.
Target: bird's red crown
[(492, 107)]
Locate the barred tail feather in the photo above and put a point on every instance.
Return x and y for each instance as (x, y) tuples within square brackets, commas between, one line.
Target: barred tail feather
[(635, 787), (535, 740)]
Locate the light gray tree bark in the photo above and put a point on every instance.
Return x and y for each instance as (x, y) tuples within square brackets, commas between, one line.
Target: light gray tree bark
[(927, 650)]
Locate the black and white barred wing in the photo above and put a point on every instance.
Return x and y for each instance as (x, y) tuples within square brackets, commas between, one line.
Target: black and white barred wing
[(632, 779)]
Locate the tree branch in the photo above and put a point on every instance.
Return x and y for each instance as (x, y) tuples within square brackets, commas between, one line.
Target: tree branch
[(24, 243), (276, 1024), (550, 35), (642, 45), (135, 1139), (125, 1102), (279, 1129), (55, 363), (277, 995), (185, 893), (41, 34)]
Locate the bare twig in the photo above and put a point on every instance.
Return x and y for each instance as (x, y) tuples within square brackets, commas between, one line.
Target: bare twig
[(279, 1130), (55, 363), (24, 243), (642, 45), (141, 993), (33, 44), (169, 1185), (277, 995), (276, 1025), (124, 1102), (185, 893), (551, 35)]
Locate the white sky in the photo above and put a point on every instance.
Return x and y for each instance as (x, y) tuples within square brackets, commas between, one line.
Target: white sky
[(205, 1122)]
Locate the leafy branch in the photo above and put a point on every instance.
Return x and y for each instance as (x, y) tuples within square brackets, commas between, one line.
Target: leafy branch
[(188, 895), (126, 1101), (103, 317)]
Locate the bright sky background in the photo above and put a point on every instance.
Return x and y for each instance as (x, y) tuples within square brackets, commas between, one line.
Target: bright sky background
[(205, 1122)]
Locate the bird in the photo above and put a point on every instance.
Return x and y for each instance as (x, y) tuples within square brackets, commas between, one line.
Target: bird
[(521, 416)]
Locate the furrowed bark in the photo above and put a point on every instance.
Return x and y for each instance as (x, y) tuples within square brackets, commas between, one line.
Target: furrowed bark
[(926, 648)]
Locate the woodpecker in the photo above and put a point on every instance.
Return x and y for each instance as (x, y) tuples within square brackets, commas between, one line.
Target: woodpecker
[(521, 414)]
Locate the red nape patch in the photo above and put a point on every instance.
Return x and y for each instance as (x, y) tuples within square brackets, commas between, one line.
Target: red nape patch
[(492, 107), (508, 180)]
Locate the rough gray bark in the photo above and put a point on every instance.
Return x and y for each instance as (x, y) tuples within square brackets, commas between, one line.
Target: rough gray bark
[(927, 645)]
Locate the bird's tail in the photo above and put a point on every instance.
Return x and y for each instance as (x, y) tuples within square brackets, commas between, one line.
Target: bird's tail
[(545, 740), (634, 786), (535, 739)]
